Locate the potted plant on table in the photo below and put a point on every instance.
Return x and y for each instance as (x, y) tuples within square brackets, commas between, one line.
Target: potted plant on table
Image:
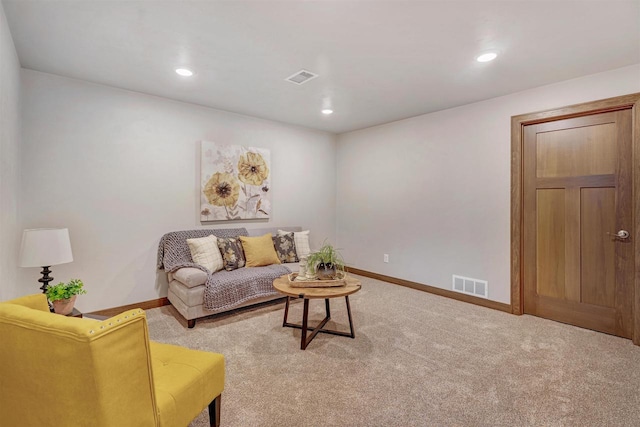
[(326, 262), (63, 295)]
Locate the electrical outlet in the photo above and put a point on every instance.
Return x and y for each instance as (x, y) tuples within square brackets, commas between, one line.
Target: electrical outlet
[(386, 257)]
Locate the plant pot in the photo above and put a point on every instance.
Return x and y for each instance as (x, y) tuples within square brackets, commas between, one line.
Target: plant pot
[(64, 306), (326, 271)]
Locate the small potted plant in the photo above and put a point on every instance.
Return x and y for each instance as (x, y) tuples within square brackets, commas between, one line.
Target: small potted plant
[(63, 295), (326, 262)]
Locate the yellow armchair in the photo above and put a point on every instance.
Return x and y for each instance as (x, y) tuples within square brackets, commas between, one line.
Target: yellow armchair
[(65, 371)]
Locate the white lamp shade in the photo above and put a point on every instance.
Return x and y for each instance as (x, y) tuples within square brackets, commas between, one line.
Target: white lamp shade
[(43, 247)]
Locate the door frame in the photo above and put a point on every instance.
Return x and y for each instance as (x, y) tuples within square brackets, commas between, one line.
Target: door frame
[(517, 128)]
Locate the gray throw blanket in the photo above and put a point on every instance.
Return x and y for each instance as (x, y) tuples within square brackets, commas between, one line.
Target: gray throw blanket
[(224, 290)]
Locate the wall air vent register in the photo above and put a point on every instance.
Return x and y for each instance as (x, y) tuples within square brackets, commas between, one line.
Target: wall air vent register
[(469, 286)]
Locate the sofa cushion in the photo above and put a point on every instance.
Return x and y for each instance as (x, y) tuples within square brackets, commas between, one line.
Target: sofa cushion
[(302, 242), (285, 247), (205, 252), (232, 253), (259, 251), (190, 296), (190, 277)]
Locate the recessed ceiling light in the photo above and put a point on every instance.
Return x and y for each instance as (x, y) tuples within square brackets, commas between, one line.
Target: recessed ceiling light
[(184, 72), (486, 57), (327, 111)]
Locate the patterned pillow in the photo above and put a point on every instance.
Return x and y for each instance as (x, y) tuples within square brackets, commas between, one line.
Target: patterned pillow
[(204, 251), (232, 253), (302, 242), (285, 247)]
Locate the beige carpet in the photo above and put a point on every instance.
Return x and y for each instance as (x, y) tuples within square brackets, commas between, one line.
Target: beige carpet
[(417, 360)]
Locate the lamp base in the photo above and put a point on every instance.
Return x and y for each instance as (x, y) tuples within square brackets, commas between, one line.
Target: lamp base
[(45, 279), (45, 283)]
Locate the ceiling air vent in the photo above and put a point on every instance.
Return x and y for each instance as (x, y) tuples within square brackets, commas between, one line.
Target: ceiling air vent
[(301, 77)]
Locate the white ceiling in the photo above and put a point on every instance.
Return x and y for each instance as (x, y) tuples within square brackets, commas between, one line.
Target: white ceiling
[(378, 61)]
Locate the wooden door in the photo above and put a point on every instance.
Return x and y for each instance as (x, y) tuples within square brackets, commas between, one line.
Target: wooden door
[(577, 195)]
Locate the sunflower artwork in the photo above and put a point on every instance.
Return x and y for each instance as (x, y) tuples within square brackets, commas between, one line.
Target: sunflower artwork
[(235, 182)]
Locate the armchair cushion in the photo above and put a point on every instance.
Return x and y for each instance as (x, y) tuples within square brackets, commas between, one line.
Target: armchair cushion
[(185, 381)]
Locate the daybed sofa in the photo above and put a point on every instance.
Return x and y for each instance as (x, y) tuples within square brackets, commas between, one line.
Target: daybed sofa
[(188, 281)]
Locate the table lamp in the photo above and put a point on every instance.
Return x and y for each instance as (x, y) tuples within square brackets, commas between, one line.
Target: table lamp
[(44, 247)]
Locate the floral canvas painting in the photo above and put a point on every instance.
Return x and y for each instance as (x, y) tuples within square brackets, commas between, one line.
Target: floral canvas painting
[(235, 182)]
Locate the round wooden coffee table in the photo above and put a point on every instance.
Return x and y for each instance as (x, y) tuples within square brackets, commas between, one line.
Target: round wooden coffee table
[(283, 286)]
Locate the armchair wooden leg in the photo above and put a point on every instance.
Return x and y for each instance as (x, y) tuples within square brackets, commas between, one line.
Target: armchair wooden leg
[(214, 412), (191, 323)]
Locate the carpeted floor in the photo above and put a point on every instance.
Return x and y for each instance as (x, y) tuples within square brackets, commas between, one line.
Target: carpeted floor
[(417, 360)]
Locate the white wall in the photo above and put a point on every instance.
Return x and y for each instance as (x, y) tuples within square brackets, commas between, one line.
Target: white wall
[(10, 134), (433, 191), (120, 169)]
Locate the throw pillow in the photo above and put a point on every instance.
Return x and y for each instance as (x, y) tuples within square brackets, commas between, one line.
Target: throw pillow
[(302, 242), (285, 247), (259, 251), (232, 253), (205, 252)]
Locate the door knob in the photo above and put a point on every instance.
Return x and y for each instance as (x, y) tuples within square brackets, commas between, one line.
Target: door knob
[(622, 235)]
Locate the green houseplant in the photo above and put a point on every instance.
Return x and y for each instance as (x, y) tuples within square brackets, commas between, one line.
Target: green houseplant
[(325, 262), (63, 295)]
